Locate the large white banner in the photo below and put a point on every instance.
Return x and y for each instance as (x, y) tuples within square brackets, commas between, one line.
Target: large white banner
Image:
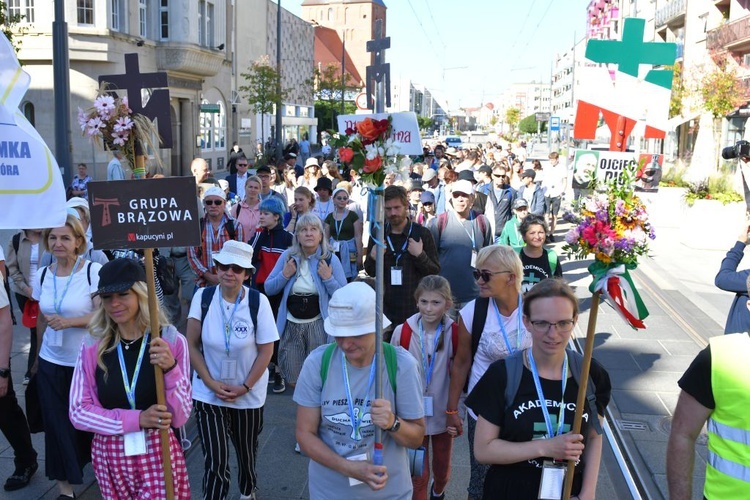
[(405, 129), (32, 193)]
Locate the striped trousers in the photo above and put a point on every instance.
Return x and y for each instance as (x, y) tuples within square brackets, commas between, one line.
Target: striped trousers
[(217, 425), (297, 342)]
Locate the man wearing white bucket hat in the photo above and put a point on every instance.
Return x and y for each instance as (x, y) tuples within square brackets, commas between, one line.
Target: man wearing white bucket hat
[(337, 407), (231, 331)]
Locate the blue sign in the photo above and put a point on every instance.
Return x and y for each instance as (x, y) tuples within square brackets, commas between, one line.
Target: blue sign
[(554, 123)]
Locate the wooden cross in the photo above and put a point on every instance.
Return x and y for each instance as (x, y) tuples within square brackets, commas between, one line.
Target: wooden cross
[(380, 71)]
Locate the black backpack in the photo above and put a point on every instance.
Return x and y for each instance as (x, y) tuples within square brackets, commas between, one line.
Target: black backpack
[(166, 272)]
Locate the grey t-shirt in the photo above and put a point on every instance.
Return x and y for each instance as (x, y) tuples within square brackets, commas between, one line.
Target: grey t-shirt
[(454, 245), (336, 429)]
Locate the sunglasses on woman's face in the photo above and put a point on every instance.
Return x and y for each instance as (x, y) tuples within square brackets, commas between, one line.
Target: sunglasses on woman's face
[(341, 198), (485, 275), (234, 267), (218, 203)]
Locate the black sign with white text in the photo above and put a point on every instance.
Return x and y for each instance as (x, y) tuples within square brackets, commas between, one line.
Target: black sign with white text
[(147, 213)]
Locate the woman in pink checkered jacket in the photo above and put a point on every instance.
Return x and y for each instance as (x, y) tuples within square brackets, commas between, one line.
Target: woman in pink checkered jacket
[(113, 393)]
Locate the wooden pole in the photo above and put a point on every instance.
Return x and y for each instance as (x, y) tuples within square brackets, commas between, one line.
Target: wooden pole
[(584, 379), (161, 397)]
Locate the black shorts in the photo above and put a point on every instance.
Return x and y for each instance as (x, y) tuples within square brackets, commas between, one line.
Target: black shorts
[(553, 205)]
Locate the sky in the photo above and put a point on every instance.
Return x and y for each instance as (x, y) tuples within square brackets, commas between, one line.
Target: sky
[(469, 51)]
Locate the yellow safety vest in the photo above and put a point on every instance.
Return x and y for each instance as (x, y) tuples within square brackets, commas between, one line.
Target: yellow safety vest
[(728, 468)]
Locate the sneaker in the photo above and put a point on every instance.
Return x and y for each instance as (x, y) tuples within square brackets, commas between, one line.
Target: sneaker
[(21, 478), (433, 496), (26, 380), (278, 383), (297, 448)]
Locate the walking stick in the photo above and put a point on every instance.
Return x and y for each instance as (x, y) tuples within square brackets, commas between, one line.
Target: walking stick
[(583, 384)]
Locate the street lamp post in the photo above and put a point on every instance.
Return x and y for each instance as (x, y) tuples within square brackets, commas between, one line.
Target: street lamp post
[(61, 71), (278, 81)]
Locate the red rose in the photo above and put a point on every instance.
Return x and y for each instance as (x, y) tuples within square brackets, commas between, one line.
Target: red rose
[(346, 154), (373, 165), (371, 129)]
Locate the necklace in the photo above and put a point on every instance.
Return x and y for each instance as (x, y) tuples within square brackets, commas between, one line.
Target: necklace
[(128, 344)]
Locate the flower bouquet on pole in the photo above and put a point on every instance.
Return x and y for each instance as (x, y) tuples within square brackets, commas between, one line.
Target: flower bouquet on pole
[(111, 124), (612, 225)]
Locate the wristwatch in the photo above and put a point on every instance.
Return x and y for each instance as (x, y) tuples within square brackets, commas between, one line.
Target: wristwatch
[(4, 372), (396, 424)]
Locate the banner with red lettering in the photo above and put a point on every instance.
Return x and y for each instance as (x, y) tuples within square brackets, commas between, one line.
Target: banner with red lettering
[(405, 129)]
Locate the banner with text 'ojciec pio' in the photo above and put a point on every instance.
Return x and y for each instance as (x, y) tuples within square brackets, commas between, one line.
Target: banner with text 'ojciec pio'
[(147, 213)]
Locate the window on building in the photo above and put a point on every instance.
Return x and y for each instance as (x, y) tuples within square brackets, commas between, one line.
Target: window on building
[(206, 23), (142, 18), (22, 9), (117, 15), (85, 11), (164, 19), (28, 112), (330, 14)]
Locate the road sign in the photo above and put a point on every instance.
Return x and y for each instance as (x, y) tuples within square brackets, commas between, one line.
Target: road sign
[(542, 117), (361, 101), (554, 123)]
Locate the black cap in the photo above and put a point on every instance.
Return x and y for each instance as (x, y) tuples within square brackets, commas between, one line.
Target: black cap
[(119, 275), (467, 175), (289, 156), (486, 169), (324, 183), (263, 169), (529, 172)]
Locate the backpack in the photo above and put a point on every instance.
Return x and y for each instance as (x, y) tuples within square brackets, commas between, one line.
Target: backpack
[(166, 272), (406, 332), (481, 305), (252, 296), (88, 274), (389, 353), (551, 259), (514, 371), (442, 221), (229, 227)]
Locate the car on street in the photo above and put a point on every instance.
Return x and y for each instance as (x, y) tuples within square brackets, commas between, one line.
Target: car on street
[(453, 141)]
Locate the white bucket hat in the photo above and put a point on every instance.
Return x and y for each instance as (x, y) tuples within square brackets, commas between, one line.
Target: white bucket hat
[(235, 252), (351, 311), (312, 162), (77, 201), (215, 191)]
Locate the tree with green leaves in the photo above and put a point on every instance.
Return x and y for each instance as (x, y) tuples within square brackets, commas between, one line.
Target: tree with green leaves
[(330, 88), (529, 125), (263, 90), (512, 117), (722, 93), (8, 25), (425, 122)]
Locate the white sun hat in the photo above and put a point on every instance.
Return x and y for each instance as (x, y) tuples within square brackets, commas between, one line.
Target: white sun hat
[(351, 311), (235, 252)]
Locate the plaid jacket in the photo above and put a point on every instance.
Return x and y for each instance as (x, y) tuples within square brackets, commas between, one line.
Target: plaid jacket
[(200, 257)]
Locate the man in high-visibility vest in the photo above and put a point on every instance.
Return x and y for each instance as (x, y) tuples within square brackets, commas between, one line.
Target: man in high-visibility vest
[(716, 392)]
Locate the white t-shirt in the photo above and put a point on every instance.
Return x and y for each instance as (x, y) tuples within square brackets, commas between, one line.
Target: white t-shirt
[(243, 346), (492, 345), (2, 253), (4, 300), (323, 208), (33, 261), (61, 347), (554, 180)]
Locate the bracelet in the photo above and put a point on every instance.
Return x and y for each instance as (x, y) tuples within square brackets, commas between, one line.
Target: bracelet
[(171, 367), (246, 386), (451, 412)]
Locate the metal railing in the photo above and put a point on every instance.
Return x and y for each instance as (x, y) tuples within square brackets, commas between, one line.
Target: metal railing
[(670, 11), (719, 38)]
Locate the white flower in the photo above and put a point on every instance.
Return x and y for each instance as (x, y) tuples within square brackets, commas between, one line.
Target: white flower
[(82, 119), (94, 126), (104, 105), (372, 151), (122, 124), (405, 162), (119, 139)]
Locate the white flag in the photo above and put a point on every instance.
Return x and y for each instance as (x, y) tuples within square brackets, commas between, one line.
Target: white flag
[(32, 193)]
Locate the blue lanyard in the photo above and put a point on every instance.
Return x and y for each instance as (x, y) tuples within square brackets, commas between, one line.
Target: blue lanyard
[(470, 234), (542, 400), (428, 368), (403, 248), (339, 225), (130, 386), (228, 324), (359, 415), (211, 239), (58, 303), (519, 332)]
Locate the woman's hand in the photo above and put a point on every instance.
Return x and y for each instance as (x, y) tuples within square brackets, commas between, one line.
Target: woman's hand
[(161, 354), (290, 268), (381, 413), (57, 322), (455, 421), (225, 392), (156, 417), (374, 476), (744, 232), (325, 271), (564, 447)]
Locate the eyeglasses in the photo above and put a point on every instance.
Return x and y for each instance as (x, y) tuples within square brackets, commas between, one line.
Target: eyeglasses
[(242, 165), (341, 198), (218, 203), (486, 275), (234, 267), (564, 325), (497, 176), (427, 204)]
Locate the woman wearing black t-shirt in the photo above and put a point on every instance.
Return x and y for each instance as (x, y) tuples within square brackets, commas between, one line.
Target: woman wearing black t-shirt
[(538, 262), (519, 438)]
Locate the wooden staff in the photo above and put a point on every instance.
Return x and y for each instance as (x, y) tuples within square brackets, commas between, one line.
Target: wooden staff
[(582, 385), (161, 396)]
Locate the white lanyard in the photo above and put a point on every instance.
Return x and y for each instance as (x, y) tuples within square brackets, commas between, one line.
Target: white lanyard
[(470, 234)]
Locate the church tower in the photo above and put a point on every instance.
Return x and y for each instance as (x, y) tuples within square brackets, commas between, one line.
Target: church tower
[(354, 19)]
